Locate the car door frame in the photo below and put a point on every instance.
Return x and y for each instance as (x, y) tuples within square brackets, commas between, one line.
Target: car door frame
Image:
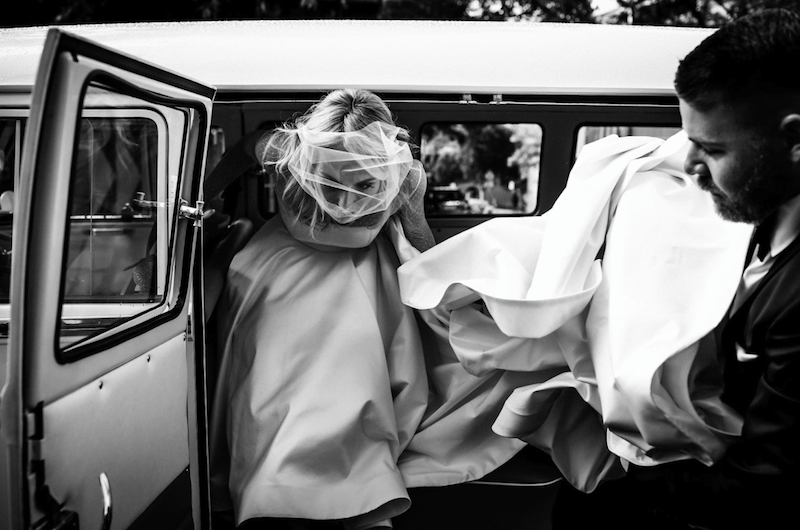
[(33, 282)]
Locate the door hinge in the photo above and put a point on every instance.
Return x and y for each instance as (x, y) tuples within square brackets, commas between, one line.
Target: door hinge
[(55, 516)]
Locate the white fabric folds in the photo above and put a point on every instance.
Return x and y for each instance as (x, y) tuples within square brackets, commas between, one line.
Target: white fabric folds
[(321, 384), (331, 399), (620, 340)]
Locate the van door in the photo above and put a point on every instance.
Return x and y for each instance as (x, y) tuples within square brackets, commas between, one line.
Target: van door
[(100, 412)]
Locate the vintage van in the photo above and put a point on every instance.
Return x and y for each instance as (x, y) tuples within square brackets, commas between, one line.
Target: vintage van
[(106, 293)]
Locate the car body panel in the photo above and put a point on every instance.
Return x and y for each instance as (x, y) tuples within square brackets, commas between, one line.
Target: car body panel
[(389, 56)]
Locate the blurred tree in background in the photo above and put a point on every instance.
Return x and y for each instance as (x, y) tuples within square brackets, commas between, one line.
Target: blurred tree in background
[(540, 10), (660, 12), (427, 10), (35, 12), (689, 12), (493, 149)]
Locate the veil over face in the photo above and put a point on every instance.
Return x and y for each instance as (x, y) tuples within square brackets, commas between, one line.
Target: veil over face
[(352, 175)]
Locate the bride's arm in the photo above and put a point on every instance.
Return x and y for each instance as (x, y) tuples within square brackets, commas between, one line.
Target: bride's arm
[(412, 211)]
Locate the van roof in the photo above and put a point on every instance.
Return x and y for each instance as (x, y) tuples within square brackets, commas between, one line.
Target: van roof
[(478, 57)]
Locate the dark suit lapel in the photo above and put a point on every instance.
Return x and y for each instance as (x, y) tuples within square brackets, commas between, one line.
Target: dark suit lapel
[(782, 259)]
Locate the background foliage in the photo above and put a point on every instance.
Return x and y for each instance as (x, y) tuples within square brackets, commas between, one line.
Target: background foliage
[(663, 12)]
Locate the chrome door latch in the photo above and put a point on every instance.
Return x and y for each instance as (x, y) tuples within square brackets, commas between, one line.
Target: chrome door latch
[(105, 487), (196, 214)]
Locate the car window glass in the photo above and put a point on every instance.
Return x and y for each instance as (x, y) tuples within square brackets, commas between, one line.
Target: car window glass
[(481, 168), (118, 226), (590, 133), (267, 200), (10, 147)]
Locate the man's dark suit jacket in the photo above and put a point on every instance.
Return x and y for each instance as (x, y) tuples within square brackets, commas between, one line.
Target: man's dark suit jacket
[(757, 483), (766, 391)]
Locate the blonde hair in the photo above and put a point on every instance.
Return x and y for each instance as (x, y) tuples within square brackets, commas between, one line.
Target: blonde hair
[(343, 110)]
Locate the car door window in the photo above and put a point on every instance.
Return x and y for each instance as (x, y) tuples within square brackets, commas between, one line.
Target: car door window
[(10, 146), (122, 191), (591, 133)]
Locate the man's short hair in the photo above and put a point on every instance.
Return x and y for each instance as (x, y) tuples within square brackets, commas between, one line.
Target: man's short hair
[(753, 56)]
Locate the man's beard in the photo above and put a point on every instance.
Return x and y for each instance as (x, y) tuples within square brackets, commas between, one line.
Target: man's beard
[(761, 194)]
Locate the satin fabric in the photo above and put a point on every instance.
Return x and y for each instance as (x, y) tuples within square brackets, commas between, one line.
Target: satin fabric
[(322, 381), (454, 442), (620, 343), (328, 403)]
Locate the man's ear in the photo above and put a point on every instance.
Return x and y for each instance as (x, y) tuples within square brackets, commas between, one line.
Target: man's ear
[(790, 129)]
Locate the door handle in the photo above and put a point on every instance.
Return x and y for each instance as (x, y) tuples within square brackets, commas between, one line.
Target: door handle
[(105, 487)]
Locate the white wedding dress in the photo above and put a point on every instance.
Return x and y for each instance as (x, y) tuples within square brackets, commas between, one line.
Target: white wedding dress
[(621, 343)]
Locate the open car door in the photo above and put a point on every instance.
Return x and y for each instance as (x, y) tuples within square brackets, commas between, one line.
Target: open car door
[(100, 416)]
